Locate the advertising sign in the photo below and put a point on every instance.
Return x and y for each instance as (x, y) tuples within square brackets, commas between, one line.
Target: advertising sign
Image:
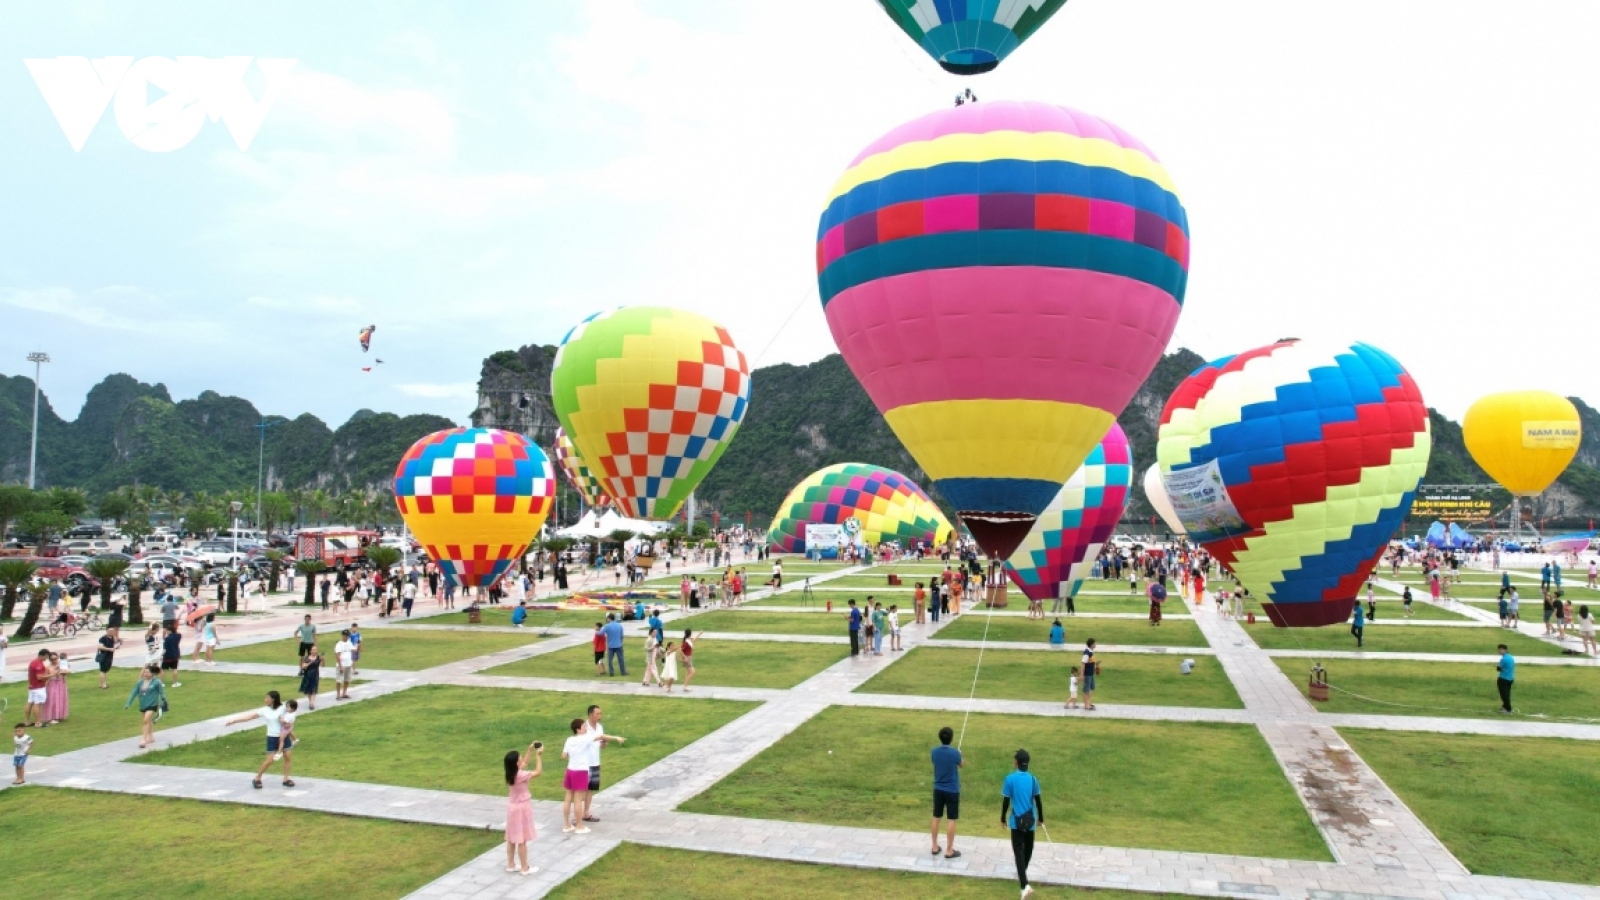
[(1202, 503), (1453, 502), (823, 541)]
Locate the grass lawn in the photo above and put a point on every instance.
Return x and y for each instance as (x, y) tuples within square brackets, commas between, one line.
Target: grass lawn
[(1529, 814), (1389, 609), (397, 739), (501, 616), (385, 648), (1034, 675), (224, 848), (820, 598), (834, 624), (755, 664), (1456, 690), (1490, 590), (97, 716), (661, 873), (904, 599), (1400, 639), (1174, 633), (1110, 782)]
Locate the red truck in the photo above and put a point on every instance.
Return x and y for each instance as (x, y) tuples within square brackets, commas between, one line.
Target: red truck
[(334, 545)]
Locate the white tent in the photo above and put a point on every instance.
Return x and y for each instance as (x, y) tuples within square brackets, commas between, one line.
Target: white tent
[(592, 526)]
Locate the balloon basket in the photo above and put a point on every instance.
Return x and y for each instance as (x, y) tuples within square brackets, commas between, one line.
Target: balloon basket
[(1249, 618), (1319, 683), (894, 580), (644, 561), (994, 596), (474, 615)]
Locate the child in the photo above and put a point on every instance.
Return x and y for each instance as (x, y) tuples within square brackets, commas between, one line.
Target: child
[(291, 711), (669, 669), (1072, 689), (599, 644), (894, 627), (22, 742), (355, 648), (1405, 598), (576, 783)]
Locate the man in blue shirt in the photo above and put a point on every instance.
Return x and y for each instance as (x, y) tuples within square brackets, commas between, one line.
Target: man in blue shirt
[(1019, 796), (1359, 626), (1507, 669), (655, 625), (613, 633), (855, 629), (946, 791), (519, 615)]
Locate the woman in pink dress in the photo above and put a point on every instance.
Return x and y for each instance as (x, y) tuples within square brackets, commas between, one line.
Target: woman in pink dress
[(56, 705), (519, 806)]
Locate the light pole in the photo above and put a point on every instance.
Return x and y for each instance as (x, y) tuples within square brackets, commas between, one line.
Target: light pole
[(38, 359), (261, 460)]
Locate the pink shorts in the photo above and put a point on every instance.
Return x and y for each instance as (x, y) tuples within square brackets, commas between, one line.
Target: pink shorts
[(576, 780)]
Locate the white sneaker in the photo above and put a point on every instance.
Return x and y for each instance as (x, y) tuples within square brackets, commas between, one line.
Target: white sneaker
[(566, 829), (582, 829), (1027, 892)]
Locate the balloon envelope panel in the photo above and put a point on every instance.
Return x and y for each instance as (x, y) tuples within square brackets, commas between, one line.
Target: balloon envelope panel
[(650, 397), (1001, 278), (1294, 465), (1523, 439), (1156, 493), (578, 474), (475, 498), (889, 506), (968, 37), (1077, 522)]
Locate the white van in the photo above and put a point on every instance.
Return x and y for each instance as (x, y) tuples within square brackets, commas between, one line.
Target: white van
[(244, 534)]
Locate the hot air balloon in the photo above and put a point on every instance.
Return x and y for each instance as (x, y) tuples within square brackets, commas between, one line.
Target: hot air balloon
[(968, 37), (888, 506), (1524, 440), (1156, 493), (1069, 534), (1294, 464), (650, 397), (1001, 278), (578, 474), (475, 498)]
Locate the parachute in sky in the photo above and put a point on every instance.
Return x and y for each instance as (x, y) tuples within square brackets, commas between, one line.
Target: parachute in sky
[(968, 37), (1059, 551), (887, 505), (1156, 493), (1001, 278), (1523, 439), (1294, 464), (475, 498), (650, 397), (578, 474), (365, 337)]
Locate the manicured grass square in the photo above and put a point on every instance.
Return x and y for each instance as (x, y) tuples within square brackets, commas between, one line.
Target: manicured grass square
[(1390, 609), (501, 617), (834, 624), (389, 648), (1518, 807), (226, 850), (1146, 680), (754, 664), (820, 598), (1382, 638), (453, 738), (97, 716), (1172, 633), (660, 873), (1107, 782), (1452, 690)]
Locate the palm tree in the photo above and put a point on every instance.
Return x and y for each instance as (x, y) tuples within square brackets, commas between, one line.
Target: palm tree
[(233, 589), (274, 568), (105, 571), (383, 559), (308, 568), (36, 597), (135, 589), (14, 573)]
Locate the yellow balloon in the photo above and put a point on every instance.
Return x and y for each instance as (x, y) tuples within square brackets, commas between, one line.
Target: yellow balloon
[(1523, 439)]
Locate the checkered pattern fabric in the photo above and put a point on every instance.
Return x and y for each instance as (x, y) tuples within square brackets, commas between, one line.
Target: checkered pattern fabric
[(578, 474), (889, 506), (475, 498)]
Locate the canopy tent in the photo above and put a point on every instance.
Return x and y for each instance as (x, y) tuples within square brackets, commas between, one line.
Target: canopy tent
[(1448, 537), (592, 526)]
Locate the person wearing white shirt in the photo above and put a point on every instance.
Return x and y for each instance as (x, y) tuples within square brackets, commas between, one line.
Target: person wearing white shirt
[(598, 733), (344, 655)]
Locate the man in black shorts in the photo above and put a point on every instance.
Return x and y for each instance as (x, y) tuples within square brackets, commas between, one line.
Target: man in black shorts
[(946, 792), (171, 650)]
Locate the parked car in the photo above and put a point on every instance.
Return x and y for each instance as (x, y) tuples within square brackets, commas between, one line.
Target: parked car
[(219, 553), (89, 547), (85, 531), (53, 569)]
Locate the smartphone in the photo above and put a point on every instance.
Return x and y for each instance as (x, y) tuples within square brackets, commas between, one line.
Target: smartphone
[(538, 745)]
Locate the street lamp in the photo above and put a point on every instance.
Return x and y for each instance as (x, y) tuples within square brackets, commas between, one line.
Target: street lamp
[(235, 507), (38, 359)]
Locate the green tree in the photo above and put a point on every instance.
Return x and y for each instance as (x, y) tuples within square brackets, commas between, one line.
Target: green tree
[(73, 502), (15, 500), (308, 569), (117, 505), (384, 558), (276, 509), (106, 571), (203, 519), (36, 597), (274, 568), (14, 573), (620, 537), (44, 522)]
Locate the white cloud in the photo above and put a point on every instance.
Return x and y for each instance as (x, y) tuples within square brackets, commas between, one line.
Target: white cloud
[(463, 389)]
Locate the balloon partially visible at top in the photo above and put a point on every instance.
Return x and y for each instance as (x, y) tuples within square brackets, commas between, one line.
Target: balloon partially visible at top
[(1523, 439), (969, 37)]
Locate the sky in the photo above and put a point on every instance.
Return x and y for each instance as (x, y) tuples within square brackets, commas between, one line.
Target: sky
[(472, 177)]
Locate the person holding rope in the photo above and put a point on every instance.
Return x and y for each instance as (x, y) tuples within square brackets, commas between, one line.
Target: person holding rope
[(946, 792), (1506, 670)]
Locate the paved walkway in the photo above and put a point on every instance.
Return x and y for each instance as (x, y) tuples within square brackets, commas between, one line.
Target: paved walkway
[(1380, 847)]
